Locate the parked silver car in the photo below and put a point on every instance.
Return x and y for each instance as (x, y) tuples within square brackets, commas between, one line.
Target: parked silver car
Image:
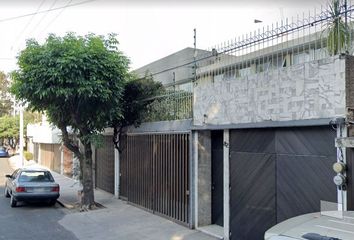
[(315, 226), (31, 184)]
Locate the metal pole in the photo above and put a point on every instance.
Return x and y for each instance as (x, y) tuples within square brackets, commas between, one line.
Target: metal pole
[(346, 14), (195, 54), (195, 69), (21, 135)]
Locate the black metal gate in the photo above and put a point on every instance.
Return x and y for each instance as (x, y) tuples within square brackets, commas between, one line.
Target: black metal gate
[(154, 174), (276, 174), (217, 159), (105, 165)]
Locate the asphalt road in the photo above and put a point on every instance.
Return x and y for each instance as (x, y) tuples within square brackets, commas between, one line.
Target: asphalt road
[(29, 221)]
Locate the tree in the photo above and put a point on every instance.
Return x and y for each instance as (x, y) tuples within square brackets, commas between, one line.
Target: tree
[(79, 82), (137, 96), (10, 127), (9, 130), (5, 101), (338, 32)]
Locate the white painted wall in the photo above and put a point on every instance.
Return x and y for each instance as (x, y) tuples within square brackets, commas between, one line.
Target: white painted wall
[(44, 133)]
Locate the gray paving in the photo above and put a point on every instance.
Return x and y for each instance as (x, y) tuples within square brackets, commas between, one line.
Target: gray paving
[(117, 220), (124, 221), (29, 221)]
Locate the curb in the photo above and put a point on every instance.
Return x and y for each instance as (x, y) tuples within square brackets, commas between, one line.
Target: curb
[(65, 205)]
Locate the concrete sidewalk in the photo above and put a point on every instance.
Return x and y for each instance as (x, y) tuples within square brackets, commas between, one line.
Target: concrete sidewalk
[(117, 220)]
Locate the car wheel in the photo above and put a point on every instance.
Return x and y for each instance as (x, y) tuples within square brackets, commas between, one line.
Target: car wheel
[(6, 193), (52, 202), (13, 202)]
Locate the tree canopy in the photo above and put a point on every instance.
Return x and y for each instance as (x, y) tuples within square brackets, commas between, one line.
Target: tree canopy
[(137, 96), (337, 29), (79, 82), (5, 101), (10, 127)]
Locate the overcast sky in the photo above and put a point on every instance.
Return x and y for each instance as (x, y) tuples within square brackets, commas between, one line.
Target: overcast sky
[(147, 30)]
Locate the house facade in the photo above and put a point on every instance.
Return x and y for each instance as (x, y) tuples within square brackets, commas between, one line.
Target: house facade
[(259, 146), (245, 135)]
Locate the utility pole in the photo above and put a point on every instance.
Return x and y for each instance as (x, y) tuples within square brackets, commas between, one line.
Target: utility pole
[(195, 54), (195, 68), (21, 135), (346, 14)]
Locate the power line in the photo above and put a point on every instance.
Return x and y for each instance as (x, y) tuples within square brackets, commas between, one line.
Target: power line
[(183, 65), (56, 17), (44, 11), (44, 16), (28, 23)]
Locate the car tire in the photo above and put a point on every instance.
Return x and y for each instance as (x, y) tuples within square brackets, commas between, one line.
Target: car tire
[(52, 202), (6, 192), (13, 202)]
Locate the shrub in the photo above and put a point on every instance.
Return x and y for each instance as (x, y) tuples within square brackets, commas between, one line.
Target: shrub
[(28, 155)]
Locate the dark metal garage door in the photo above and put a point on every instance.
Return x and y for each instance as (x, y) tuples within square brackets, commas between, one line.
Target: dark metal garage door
[(154, 174), (276, 174)]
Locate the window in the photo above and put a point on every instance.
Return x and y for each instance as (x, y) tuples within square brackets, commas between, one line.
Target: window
[(36, 176)]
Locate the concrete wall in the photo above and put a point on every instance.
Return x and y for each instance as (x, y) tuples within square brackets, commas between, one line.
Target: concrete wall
[(166, 70), (311, 90), (171, 61), (204, 178), (44, 133)]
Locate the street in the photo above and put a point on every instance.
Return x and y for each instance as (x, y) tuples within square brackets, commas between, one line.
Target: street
[(29, 221), (117, 220)]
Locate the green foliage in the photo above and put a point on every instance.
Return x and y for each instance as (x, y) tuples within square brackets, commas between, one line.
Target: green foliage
[(172, 105), (5, 101), (97, 140), (78, 81), (31, 117), (9, 130), (28, 155), (138, 94), (338, 32), (9, 127)]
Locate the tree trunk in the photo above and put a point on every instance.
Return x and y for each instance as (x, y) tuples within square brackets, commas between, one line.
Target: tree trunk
[(87, 200)]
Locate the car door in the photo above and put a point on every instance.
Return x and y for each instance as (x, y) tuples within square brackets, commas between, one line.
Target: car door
[(10, 183)]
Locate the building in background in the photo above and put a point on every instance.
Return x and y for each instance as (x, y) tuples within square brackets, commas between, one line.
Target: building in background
[(44, 141)]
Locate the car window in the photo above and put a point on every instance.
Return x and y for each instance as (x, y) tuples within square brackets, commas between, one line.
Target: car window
[(2, 149), (36, 176), (14, 174)]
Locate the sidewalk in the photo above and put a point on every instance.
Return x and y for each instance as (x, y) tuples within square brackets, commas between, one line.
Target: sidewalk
[(117, 220)]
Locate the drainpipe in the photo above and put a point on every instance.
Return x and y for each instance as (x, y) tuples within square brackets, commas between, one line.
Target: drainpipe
[(340, 166)]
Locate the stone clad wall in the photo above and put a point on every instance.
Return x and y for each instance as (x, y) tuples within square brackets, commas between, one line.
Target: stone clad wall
[(349, 73), (304, 91)]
